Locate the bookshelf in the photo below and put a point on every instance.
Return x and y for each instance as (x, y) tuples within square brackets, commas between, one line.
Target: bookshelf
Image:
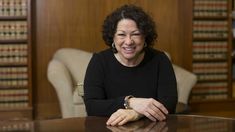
[(212, 54), (233, 47), (15, 59)]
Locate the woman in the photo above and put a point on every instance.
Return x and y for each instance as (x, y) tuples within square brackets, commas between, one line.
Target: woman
[(130, 79)]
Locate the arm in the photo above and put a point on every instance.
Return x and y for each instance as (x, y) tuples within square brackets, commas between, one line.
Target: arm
[(166, 99), (167, 87), (95, 96)]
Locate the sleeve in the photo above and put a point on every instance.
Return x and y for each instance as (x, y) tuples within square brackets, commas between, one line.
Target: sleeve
[(167, 87), (95, 97)]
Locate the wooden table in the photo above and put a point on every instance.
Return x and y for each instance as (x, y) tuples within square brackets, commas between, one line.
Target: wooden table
[(179, 123)]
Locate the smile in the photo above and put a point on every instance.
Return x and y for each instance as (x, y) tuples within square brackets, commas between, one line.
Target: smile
[(129, 49)]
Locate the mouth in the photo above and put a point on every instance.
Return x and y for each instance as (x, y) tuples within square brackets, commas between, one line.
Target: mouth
[(129, 50)]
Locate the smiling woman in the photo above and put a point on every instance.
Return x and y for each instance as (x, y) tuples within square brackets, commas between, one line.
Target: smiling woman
[(129, 43), (130, 79), (77, 24)]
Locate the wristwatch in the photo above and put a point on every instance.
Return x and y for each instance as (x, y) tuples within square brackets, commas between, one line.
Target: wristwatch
[(126, 102)]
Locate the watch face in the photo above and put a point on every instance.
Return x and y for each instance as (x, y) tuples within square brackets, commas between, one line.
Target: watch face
[(125, 105), (126, 102)]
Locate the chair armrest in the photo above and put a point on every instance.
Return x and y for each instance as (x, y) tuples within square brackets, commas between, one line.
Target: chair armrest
[(185, 82), (60, 78), (182, 108)]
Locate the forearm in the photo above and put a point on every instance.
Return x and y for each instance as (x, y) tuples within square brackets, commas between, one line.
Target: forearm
[(168, 95), (170, 103), (167, 87), (103, 107)]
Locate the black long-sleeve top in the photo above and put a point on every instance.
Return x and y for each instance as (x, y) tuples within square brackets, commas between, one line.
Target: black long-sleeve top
[(107, 82)]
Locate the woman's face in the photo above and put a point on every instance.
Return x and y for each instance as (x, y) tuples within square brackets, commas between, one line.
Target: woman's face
[(128, 40)]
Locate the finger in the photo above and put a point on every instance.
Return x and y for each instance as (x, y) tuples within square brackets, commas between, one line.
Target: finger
[(161, 107), (148, 115), (116, 121), (124, 121), (111, 119), (108, 122), (157, 113)]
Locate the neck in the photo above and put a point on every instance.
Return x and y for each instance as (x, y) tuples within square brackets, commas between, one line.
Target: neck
[(130, 62)]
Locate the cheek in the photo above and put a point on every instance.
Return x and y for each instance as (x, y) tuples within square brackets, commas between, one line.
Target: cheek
[(140, 43), (118, 42), (118, 45)]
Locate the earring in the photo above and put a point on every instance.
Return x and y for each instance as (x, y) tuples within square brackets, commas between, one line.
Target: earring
[(114, 48), (113, 45), (145, 44)]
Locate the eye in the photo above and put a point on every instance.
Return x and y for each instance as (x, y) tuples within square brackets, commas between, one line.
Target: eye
[(136, 34), (120, 34)]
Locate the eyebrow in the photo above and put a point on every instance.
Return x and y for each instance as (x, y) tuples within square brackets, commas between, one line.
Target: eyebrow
[(131, 32)]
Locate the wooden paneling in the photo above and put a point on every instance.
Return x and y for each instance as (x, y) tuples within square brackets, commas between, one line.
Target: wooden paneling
[(77, 24), (222, 108)]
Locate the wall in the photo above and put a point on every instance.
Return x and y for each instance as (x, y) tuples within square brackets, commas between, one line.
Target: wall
[(77, 24)]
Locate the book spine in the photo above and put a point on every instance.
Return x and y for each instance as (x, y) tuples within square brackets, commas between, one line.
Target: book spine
[(13, 98), (13, 30), (14, 53), (210, 8)]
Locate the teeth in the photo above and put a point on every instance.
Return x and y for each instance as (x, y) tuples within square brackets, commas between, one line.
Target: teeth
[(129, 48)]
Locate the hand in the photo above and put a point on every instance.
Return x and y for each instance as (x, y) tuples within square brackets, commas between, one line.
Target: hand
[(122, 116), (140, 126), (149, 107)]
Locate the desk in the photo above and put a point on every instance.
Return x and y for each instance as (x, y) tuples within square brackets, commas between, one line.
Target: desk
[(181, 123)]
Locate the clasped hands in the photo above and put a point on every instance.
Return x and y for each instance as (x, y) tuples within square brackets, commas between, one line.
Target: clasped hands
[(148, 107)]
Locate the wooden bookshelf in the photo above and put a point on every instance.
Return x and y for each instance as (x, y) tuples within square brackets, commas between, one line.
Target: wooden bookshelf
[(233, 47), (15, 60), (212, 60)]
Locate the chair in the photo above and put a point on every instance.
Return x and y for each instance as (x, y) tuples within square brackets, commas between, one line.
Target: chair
[(66, 73)]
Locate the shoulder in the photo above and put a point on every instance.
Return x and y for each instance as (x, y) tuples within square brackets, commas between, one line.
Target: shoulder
[(157, 54), (102, 57), (105, 53)]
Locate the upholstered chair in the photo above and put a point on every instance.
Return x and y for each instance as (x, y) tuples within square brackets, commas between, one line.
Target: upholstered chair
[(66, 72)]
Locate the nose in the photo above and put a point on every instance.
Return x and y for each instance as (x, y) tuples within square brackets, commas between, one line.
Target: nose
[(128, 40)]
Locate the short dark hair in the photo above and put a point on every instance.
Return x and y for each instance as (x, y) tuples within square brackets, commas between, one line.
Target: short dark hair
[(144, 23)]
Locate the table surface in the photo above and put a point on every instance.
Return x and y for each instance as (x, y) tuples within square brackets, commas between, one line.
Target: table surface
[(179, 123)]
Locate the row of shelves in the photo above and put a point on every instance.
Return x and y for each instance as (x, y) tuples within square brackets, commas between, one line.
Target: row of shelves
[(15, 59), (212, 50)]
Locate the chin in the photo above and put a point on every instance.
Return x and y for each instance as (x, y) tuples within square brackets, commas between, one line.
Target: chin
[(129, 56)]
